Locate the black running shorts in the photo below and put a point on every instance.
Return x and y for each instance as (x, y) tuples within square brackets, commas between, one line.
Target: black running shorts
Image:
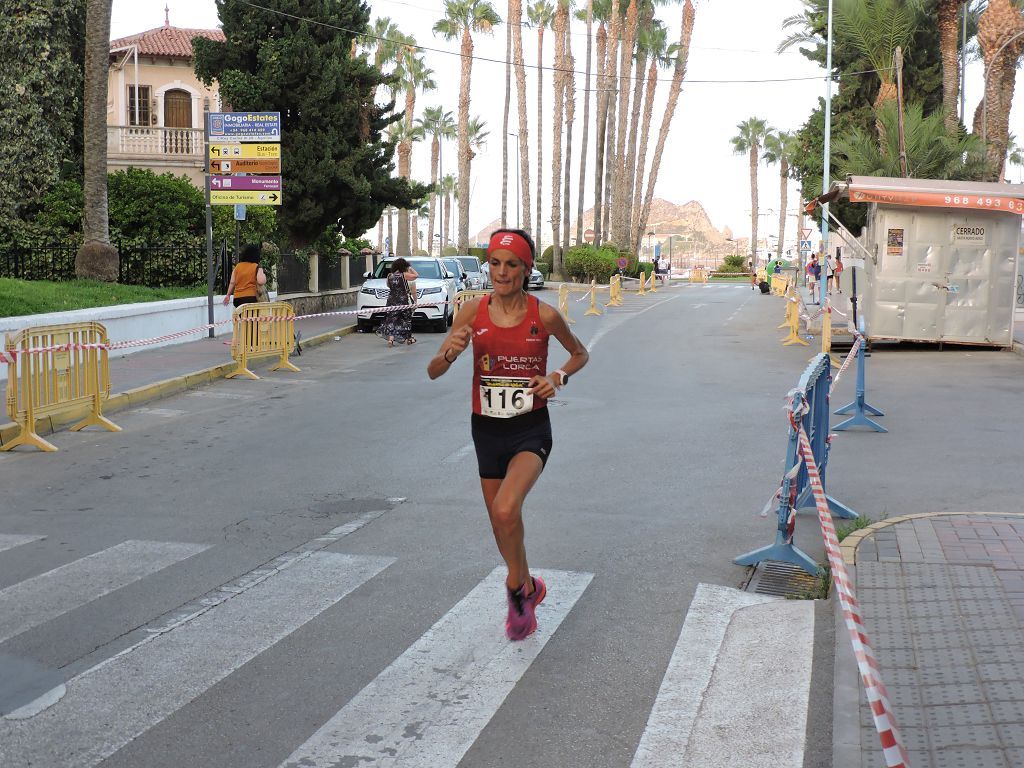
[(498, 440)]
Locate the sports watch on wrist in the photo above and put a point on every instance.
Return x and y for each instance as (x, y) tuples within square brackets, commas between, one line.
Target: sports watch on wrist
[(563, 377)]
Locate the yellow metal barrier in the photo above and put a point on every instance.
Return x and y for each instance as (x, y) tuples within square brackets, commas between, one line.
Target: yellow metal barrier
[(780, 285), (463, 296), (643, 277), (563, 303), (793, 322), (826, 334), (698, 276), (593, 310), (615, 291), (46, 383), (263, 328), (651, 287)]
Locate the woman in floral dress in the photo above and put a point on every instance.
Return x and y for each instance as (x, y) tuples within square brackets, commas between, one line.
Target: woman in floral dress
[(397, 325)]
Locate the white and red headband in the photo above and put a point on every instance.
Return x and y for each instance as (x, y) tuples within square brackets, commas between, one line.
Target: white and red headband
[(514, 244)]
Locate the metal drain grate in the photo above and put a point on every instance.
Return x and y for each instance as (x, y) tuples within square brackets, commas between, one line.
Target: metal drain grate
[(782, 580)]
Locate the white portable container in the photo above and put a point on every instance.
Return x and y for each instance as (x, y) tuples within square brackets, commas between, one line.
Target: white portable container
[(941, 260)]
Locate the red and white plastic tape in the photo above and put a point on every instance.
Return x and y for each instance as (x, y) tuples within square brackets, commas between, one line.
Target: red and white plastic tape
[(846, 363), (9, 356), (870, 674)]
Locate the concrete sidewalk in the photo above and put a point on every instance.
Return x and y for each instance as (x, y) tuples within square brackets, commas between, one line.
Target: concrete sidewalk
[(942, 601), (154, 373)]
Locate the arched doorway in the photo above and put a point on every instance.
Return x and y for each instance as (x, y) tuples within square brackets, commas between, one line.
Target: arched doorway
[(177, 115)]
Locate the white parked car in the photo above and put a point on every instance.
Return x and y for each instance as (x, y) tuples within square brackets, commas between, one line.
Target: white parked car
[(474, 272), (435, 286)]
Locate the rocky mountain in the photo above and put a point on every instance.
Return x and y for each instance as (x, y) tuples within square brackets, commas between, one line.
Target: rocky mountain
[(690, 221)]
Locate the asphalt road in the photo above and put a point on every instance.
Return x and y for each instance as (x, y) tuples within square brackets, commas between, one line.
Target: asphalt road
[(309, 575)]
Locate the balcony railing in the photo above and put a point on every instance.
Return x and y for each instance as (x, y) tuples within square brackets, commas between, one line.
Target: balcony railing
[(155, 141)]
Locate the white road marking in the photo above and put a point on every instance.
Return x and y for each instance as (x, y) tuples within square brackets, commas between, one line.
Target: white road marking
[(694, 701), (220, 394), (166, 413), (115, 702), (10, 541), (44, 597), (429, 706), (459, 455)]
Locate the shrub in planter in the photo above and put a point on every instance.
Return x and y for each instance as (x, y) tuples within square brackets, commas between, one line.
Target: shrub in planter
[(733, 263), (544, 268), (585, 263)]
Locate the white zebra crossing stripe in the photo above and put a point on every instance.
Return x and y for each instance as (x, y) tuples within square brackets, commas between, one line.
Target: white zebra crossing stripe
[(691, 717), (10, 541), (428, 707), (37, 600), (115, 702)]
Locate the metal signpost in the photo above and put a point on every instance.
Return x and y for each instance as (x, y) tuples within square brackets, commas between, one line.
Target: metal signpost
[(242, 148)]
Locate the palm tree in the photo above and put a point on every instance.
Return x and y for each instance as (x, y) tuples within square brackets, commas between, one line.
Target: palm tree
[(97, 259), (877, 28), (612, 84), (651, 33), (561, 14), (413, 74), (515, 23), (678, 73), (932, 152), (380, 39), (477, 135), (463, 18), (1014, 154), (588, 17), (662, 55), (439, 125), (618, 223), (541, 15), (447, 188), (603, 10), (949, 47), (569, 65), (749, 140), (778, 148), (997, 26)]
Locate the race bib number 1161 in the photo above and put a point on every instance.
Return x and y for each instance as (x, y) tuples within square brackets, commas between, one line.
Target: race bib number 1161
[(503, 397)]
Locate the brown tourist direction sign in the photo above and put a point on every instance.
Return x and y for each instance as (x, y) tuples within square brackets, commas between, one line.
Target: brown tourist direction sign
[(246, 165), (236, 151)]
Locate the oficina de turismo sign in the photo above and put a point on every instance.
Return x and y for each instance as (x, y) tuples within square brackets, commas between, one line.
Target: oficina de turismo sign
[(245, 126)]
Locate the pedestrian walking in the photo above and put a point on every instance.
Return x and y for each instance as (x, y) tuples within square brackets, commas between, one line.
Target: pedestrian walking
[(664, 269), (247, 278), (508, 332), (837, 275), (397, 324), (813, 278)]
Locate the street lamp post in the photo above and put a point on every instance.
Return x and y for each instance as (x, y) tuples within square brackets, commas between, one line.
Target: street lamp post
[(826, 166)]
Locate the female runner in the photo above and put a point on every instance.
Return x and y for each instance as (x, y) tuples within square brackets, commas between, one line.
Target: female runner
[(508, 331)]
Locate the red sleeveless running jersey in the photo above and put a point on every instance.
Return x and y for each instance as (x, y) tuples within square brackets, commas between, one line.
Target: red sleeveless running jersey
[(504, 361)]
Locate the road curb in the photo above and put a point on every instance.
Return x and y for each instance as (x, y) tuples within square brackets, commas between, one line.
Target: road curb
[(147, 393)]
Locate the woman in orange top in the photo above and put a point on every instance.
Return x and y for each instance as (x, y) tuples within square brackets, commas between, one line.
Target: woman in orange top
[(246, 277)]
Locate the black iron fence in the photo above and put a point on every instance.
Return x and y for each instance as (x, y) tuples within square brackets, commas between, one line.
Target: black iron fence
[(329, 273), (162, 266), (292, 274)]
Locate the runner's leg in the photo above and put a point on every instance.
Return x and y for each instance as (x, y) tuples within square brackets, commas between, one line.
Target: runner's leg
[(504, 499)]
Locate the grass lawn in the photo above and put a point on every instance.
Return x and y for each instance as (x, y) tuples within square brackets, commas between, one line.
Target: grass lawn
[(31, 297)]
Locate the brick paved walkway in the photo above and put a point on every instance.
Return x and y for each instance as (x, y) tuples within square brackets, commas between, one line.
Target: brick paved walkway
[(943, 604)]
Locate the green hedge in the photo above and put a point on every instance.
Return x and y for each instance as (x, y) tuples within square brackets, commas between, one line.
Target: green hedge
[(585, 263), (544, 268), (734, 263)]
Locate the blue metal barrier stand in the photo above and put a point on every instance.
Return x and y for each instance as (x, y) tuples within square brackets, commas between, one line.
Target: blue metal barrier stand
[(815, 423), (783, 550), (859, 407)]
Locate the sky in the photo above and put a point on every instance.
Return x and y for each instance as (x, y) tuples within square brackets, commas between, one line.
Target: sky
[(733, 41)]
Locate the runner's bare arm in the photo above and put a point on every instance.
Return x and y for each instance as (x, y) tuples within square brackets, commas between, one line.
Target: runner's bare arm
[(578, 354), (456, 342)]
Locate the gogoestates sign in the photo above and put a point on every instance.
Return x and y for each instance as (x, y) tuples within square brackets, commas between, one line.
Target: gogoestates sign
[(245, 126)]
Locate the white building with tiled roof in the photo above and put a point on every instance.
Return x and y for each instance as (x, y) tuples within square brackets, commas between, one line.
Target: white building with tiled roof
[(155, 102)]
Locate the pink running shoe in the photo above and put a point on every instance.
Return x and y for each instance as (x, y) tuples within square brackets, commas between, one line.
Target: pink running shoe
[(522, 610)]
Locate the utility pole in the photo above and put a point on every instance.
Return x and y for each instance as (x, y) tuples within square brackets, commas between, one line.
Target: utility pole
[(826, 168)]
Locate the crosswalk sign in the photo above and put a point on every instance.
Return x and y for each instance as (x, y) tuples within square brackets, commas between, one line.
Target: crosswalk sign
[(805, 245)]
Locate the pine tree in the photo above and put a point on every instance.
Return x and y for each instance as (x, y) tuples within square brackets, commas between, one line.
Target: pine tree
[(40, 101), (337, 165)]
